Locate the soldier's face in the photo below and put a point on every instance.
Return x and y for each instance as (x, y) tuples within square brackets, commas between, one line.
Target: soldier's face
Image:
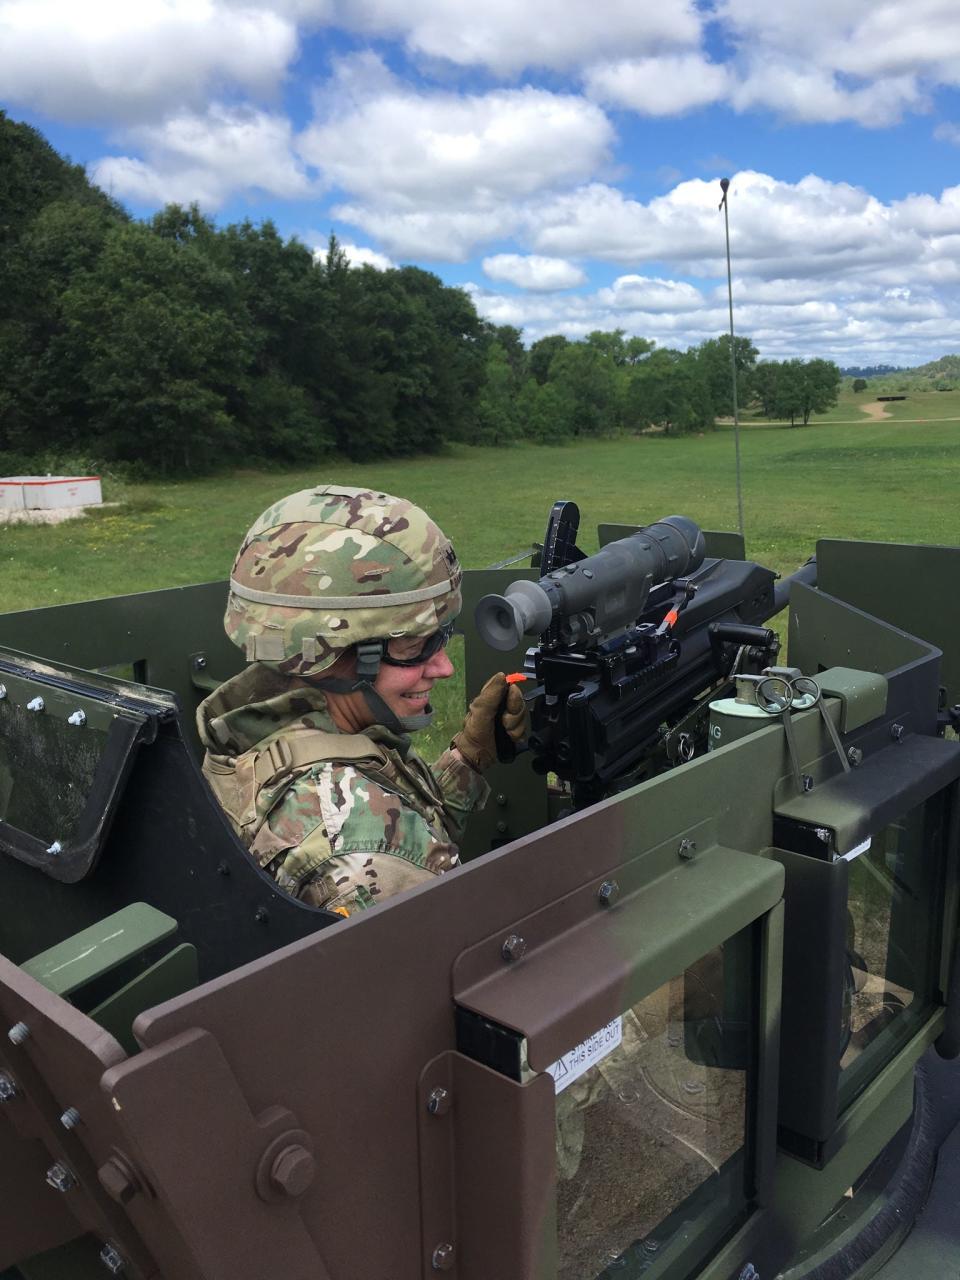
[(406, 690)]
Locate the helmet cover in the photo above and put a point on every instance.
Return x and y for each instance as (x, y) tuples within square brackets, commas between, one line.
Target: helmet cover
[(328, 567)]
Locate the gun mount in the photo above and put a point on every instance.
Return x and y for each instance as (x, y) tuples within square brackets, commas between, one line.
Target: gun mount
[(667, 1035), (632, 639)]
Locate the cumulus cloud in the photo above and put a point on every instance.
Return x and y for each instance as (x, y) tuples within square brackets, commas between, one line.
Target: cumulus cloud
[(534, 272), (447, 150), (506, 37), (855, 325), (664, 86), (358, 255), (776, 227), (207, 158), (108, 60)]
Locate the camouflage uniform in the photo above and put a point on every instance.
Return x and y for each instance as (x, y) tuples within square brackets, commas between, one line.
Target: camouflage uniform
[(338, 819)]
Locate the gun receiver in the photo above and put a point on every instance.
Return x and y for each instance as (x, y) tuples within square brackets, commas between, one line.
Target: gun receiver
[(630, 642)]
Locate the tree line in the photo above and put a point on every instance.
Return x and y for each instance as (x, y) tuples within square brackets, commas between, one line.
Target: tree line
[(175, 346)]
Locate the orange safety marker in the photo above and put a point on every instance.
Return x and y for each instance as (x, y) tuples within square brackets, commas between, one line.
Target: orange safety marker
[(516, 676)]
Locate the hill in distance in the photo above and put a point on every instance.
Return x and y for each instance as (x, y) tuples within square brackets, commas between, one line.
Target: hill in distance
[(937, 375)]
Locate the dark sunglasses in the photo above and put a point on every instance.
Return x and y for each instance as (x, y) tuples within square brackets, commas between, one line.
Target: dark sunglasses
[(431, 645)]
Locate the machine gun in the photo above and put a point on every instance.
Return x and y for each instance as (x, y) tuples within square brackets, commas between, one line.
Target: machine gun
[(633, 643)]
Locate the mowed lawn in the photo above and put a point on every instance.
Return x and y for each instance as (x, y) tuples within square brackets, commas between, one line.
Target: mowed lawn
[(883, 480)]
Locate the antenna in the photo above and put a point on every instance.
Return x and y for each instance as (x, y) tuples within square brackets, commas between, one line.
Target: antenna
[(725, 187)]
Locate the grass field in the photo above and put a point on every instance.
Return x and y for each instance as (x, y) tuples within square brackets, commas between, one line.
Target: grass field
[(887, 480)]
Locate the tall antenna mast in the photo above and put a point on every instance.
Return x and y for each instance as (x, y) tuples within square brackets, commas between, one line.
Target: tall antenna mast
[(724, 187)]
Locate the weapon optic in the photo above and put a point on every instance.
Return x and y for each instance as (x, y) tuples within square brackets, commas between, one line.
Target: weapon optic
[(633, 643)]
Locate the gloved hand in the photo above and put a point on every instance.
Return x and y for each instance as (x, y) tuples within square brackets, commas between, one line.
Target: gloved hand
[(476, 741)]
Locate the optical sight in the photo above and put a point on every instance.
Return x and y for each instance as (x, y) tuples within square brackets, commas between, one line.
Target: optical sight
[(594, 597)]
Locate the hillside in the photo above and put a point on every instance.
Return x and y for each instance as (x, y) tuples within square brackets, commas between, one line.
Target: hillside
[(938, 375)]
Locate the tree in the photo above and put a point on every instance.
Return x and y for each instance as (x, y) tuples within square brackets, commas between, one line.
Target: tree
[(714, 359), (542, 353), (157, 329), (545, 413), (859, 384), (796, 388), (497, 411), (819, 387), (587, 379), (668, 390)]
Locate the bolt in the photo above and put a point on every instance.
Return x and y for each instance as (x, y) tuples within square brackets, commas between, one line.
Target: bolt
[(438, 1104), (55, 848), (262, 915), (60, 1178), (501, 799), (18, 1033), (855, 756), (687, 849), (8, 1087), (294, 1170), (501, 827), (223, 868), (36, 704), (608, 893), (112, 1260), (442, 1257), (199, 663), (806, 781), (78, 718), (70, 1118), (514, 948), (118, 1179), (896, 732)]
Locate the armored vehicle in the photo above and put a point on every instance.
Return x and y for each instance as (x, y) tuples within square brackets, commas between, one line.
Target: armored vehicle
[(687, 1011)]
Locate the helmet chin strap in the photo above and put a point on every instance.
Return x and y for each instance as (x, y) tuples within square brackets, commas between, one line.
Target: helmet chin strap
[(368, 664)]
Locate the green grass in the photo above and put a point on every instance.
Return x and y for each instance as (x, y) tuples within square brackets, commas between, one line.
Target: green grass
[(888, 480), (876, 480)]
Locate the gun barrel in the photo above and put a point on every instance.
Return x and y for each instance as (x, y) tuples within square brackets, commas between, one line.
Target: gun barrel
[(806, 574), (598, 595)]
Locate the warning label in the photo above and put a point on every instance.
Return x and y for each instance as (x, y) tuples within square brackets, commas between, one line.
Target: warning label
[(586, 1054)]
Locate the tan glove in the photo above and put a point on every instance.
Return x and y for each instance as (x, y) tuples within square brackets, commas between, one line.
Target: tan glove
[(476, 741)]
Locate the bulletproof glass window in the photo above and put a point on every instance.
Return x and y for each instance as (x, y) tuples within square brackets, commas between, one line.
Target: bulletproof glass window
[(65, 750), (651, 1125), (894, 918)]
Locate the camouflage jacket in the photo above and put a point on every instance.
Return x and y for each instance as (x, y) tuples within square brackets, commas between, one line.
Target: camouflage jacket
[(339, 820)]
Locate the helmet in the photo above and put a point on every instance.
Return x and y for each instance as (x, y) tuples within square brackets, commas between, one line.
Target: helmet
[(332, 567)]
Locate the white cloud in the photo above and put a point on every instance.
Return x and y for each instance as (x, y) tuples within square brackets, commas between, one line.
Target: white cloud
[(947, 131), (652, 295), (505, 36), (444, 150), (116, 61), (663, 86), (207, 158), (534, 272), (358, 255), (811, 227), (815, 95), (851, 326), (432, 235)]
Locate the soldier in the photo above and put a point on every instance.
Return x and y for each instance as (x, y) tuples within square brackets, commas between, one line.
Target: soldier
[(343, 601)]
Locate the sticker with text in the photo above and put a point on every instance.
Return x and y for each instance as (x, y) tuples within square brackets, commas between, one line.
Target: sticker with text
[(586, 1054)]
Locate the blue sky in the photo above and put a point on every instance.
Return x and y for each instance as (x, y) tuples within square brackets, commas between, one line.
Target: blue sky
[(558, 159)]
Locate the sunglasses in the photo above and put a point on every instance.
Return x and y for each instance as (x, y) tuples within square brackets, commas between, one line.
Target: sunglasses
[(431, 645)]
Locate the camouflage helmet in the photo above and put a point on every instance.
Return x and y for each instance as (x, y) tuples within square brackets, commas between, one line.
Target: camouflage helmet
[(330, 567)]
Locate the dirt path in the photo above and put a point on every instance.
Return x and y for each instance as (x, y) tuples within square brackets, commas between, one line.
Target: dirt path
[(874, 409)]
